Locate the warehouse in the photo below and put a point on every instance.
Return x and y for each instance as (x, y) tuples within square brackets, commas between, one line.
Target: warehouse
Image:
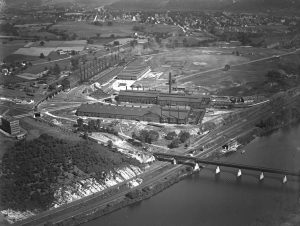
[(182, 100), (134, 71), (151, 114), (158, 114), (143, 97), (163, 99)]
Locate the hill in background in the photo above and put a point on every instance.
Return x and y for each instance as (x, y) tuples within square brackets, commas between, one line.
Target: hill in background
[(241, 5)]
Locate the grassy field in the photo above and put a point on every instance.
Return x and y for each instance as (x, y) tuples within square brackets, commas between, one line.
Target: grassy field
[(86, 30), (8, 47), (187, 61)]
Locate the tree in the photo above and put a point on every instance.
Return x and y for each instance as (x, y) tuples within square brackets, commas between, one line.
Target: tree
[(56, 69), (184, 136), (65, 83), (171, 135), (175, 143), (109, 143), (85, 135), (185, 42), (74, 62), (143, 135), (116, 43), (153, 135), (226, 67), (90, 41), (42, 56)]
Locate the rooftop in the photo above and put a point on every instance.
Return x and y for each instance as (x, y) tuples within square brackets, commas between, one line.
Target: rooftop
[(9, 118), (115, 109)]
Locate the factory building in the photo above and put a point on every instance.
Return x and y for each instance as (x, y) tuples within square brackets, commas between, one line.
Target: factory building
[(151, 114), (163, 99), (10, 125), (134, 71), (157, 114), (143, 97)]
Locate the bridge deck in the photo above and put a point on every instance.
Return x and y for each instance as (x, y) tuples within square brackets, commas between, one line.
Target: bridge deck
[(227, 164)]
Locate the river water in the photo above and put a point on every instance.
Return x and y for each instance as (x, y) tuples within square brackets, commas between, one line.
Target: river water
[(204, 199)]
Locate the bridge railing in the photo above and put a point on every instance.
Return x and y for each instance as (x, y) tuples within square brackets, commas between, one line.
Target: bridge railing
[(228, 164)]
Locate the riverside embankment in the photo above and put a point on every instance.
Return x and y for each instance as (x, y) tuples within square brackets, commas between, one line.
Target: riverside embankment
[(204, 199)]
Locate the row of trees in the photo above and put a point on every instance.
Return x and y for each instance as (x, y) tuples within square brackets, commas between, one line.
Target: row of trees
[(146, 136), (181, 138), (284, 116), (95, 126)]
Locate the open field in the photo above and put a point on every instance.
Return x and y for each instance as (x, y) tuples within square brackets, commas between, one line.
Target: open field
[(208, 62), (85, 30), (34, 51), (8, 47)]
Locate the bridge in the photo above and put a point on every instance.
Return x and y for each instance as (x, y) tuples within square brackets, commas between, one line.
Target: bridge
[(175, 158)]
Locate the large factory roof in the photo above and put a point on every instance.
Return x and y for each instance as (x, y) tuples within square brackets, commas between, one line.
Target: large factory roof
[(150, 93), (161, 96), (178, 98), (117, 109), (175, 113)]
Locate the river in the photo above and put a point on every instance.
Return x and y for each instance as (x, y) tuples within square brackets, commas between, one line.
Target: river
[(203, 199)]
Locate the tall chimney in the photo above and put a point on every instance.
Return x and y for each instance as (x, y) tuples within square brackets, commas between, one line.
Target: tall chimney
[(170, 82)]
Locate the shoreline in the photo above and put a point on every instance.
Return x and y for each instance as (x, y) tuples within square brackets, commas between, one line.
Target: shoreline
[(137, 195), (141, 192), (161, 186)]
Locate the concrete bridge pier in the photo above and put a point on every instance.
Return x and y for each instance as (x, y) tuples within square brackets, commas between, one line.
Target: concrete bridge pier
[(239, 173), (261, 176), (284, 180), (196, 167), (174, 162), (218, 171)]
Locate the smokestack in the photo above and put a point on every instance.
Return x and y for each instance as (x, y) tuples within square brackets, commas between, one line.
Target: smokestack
[(170, 83)]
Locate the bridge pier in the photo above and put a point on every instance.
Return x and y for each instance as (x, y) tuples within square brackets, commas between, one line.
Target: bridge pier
[(261, 176), (239, 173), (218, 170), (174, 162), (284, 180), (196, 167)]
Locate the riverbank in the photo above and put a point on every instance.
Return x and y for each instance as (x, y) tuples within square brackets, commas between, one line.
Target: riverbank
[(145, 192), (134, 196), (259, 132)]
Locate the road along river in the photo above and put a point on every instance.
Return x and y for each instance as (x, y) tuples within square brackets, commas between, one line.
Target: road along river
[(204, 199)]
